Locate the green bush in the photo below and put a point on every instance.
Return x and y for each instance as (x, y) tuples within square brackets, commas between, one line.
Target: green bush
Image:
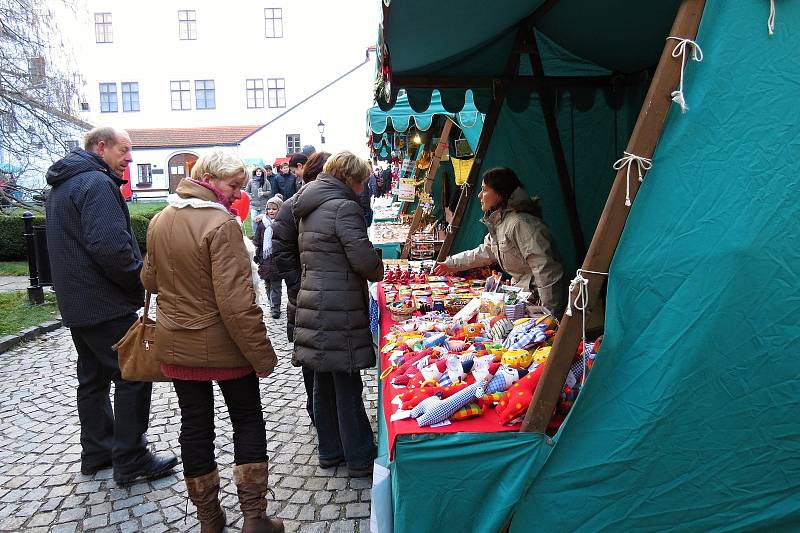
[(12, 238), (139, 225)]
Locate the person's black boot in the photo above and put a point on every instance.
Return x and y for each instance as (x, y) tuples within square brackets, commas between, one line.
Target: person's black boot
[(151, 467)]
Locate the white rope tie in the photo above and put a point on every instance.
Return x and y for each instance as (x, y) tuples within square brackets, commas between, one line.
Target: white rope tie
[(680, 51), (771, 19), (642, 164), (581, 303)]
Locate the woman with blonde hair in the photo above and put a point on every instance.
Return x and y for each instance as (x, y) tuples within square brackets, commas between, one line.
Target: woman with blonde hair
[(332, 335), (209, 328)]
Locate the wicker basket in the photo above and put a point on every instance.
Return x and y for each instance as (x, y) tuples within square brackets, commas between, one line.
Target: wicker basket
[(399, 314)]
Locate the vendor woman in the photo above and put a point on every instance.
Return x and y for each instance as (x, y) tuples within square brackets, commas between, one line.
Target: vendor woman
[(518, 240)]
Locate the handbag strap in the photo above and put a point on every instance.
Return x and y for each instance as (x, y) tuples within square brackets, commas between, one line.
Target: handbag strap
[(147, 297)]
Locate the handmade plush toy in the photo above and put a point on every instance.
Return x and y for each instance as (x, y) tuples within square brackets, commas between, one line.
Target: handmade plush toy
[(435, 410), (413, 397), (525, 335), (517, 358), (518, 397), (471, 331), (501, 328)]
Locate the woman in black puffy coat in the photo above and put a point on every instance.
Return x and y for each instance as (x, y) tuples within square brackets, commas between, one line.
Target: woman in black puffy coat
[(332, 335)]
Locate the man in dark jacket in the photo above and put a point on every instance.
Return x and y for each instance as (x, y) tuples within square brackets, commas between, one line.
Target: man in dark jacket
[(95, 263), (284, 182)]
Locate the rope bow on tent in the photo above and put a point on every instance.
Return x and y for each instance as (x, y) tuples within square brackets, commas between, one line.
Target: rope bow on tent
[(680, 51), (771, 19), (642, 164)]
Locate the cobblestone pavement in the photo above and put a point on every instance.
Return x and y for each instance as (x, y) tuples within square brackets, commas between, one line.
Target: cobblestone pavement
[(42, 489), (14, 283)]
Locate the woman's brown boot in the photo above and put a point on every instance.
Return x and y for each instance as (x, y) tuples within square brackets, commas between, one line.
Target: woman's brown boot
[(204, 493), (251, 485)]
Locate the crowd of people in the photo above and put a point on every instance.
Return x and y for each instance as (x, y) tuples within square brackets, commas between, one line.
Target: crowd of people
[(310, 223), (310, 231)]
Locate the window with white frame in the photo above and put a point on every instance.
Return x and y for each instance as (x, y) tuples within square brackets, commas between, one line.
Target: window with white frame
[(181, 95), (103, 32), (276, 92), (255, 93), (293, 143), (145, 175), (130, 96), (108, 97), (187, 25), (204, 94), (273, 22)]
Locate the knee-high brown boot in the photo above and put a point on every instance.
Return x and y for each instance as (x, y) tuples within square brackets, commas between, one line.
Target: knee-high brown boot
[(204, 493), (251, 485)]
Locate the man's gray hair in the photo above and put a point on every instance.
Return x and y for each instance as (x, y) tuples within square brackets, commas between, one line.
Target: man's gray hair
[(100, 134)]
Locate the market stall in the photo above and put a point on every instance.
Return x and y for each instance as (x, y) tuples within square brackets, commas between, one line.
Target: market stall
[(418, 147), (702, 283)]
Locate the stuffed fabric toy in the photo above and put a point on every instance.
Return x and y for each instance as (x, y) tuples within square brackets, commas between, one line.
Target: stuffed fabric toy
[(525, 335), (435, 410), (517, 399)]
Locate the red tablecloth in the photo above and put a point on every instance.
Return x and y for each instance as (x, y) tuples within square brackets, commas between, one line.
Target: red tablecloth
[(488, 422)]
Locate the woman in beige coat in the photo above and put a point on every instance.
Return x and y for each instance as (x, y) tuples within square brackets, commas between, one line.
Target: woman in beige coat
[(518, 240), (209, 328)]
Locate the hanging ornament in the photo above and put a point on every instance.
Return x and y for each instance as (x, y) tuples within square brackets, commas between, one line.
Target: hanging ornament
[(461, 168)]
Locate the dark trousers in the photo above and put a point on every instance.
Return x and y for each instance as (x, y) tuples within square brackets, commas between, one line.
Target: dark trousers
[(273, 289), (119, 434), (343, 428), (308, 381), (196, 400)]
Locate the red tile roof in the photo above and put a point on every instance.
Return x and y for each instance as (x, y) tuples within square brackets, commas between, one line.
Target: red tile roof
[(173, 137)]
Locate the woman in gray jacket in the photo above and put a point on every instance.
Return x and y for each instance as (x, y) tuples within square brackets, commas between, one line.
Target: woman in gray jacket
[(259, 191), (332, 335), (518, 240)]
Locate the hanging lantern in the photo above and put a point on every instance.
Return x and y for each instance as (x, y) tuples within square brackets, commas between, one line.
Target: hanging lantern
[(461, 168)]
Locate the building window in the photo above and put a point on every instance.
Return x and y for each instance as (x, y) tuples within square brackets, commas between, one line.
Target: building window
[(187, 25), (273, 22), (293, 143), (204, 94), (255, 93), (276, 92), (102, 28), (36, 70), (130, 96), (181, 98), (145, 175), (71, 145), (108, 97)]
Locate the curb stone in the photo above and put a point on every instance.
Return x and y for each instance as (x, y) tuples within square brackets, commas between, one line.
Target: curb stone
[(28, 334)]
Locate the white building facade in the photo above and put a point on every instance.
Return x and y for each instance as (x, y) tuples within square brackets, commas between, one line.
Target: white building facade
[(276, 70)]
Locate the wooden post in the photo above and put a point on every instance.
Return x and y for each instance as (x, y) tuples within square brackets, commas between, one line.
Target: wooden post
[(416, 222), (642, 143)]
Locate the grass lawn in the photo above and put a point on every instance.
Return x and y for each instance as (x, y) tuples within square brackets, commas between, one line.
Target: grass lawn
[(17, 313), (146, 209), (13, 268)]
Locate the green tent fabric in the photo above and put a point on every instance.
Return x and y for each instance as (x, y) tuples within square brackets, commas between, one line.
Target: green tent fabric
[(688, 420), (402, 116)]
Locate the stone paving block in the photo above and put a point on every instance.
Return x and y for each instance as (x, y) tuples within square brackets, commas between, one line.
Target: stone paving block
[(330, 512), (94, 522), (289, 512), (357, 510), (128, 502), (151, 519), (118, 516), (316, 527), (345, 526), (300, 496), (42, 519), (322, 497), (346, 496), (69, 515), (130, 526), (337, 483), (65, 528)]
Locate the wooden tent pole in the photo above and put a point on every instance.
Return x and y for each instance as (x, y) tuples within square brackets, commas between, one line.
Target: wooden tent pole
[(416, 222), (547, 100), (642, 143)]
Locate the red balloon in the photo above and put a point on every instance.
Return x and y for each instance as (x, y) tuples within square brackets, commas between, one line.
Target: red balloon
[(242, 205)]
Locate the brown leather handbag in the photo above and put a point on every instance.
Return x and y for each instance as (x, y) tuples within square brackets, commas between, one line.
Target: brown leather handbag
[(136, 350)]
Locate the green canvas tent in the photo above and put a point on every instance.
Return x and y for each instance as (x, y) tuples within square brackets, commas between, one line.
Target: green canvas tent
[(688, 420)]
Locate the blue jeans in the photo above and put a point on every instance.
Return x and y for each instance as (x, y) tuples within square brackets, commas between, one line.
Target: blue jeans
[(254, 212), (273, 289), (343, 428)]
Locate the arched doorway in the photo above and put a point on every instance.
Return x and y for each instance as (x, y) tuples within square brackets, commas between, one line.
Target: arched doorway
[(179, 167)]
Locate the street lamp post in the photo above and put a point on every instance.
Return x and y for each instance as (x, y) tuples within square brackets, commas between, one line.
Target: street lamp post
[(321, 128)]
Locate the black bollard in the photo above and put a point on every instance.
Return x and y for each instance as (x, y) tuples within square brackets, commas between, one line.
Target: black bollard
[(35, 293)]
